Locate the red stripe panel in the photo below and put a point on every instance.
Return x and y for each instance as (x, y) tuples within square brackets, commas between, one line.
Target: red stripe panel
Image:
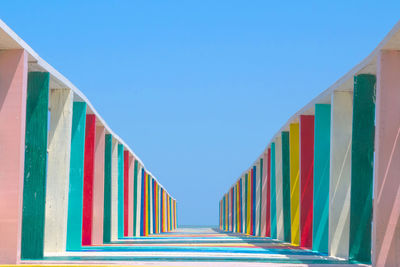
[(306, 179), (126, 192), (88, 179)]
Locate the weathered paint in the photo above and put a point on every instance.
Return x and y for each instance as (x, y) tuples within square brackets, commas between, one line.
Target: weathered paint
[(386, 241), (58, 164), (258, 199), (13, 86), (294, 143), (322, 138), (114, 190), (107, 188), (98, 187), (130, 196), (120, 191), (278, 185), (286, 187), (135, 197), (362, 160), (261, 197), (340, 174), (33, 211), (306, 179), (75, 197), (268, 208), (88, 177), (264, 194), (273, 193), (126, 192)]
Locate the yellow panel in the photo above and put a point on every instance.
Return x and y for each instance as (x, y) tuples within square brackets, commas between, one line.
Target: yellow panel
[(294, 183), (248, 202)]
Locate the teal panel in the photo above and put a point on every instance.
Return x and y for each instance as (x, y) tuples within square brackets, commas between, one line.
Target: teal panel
[(273, 194), (362, 160), (322, 140), (286, 187), (34, 196), (75, 195), (107, 189), (135, 200), (120, 191)]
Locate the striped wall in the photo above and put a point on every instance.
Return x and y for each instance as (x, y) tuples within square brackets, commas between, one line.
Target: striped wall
[(332, 171), (67, 180)]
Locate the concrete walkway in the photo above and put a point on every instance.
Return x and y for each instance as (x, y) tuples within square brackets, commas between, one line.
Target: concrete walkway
[(195, 247)]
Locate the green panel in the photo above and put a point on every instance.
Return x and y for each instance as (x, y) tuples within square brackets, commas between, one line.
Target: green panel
[(273, 194), (107, 189), (362, 160), (120, 191), (261, 184), (135, 200), (286, 187), (322, 141), (34, 196), (75, 195)]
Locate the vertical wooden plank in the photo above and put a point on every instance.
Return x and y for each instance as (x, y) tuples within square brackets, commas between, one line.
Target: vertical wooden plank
[(130, 196), (257, 199), (121, 170), (244, 204), (75, 197), (254, 199), (88, 178), (306, 179), (148, 205), (278, 181), (273, 194), (126, 192), (33, 211), (144, 210), (58, 164), (286, 187), (107, 188), (13, 86), (268, 211), (114, 190), (340, 174), (155, 208), (294, 183), (362, 160), (322, 136), (260, 192), (135, 198), (264, 194), (98, 187), (238, 211), (233, 208), (248, 219), (386, 241)]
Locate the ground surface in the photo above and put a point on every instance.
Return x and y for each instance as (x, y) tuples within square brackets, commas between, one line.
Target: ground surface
[(195, 247)]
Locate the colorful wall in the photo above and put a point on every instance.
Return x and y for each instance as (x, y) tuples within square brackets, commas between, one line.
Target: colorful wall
[(329, 178), (66, 179)]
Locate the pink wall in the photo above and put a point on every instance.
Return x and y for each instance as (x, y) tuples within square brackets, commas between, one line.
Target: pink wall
[(98, 187), (386, 239), (13, 83)]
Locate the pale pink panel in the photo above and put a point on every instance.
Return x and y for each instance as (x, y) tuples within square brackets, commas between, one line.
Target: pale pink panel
[(130, 197), (386, 239), (264, 197), (13, 82), (98, 187)]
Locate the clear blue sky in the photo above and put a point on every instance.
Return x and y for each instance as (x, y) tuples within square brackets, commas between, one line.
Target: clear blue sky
[(198, 88)]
